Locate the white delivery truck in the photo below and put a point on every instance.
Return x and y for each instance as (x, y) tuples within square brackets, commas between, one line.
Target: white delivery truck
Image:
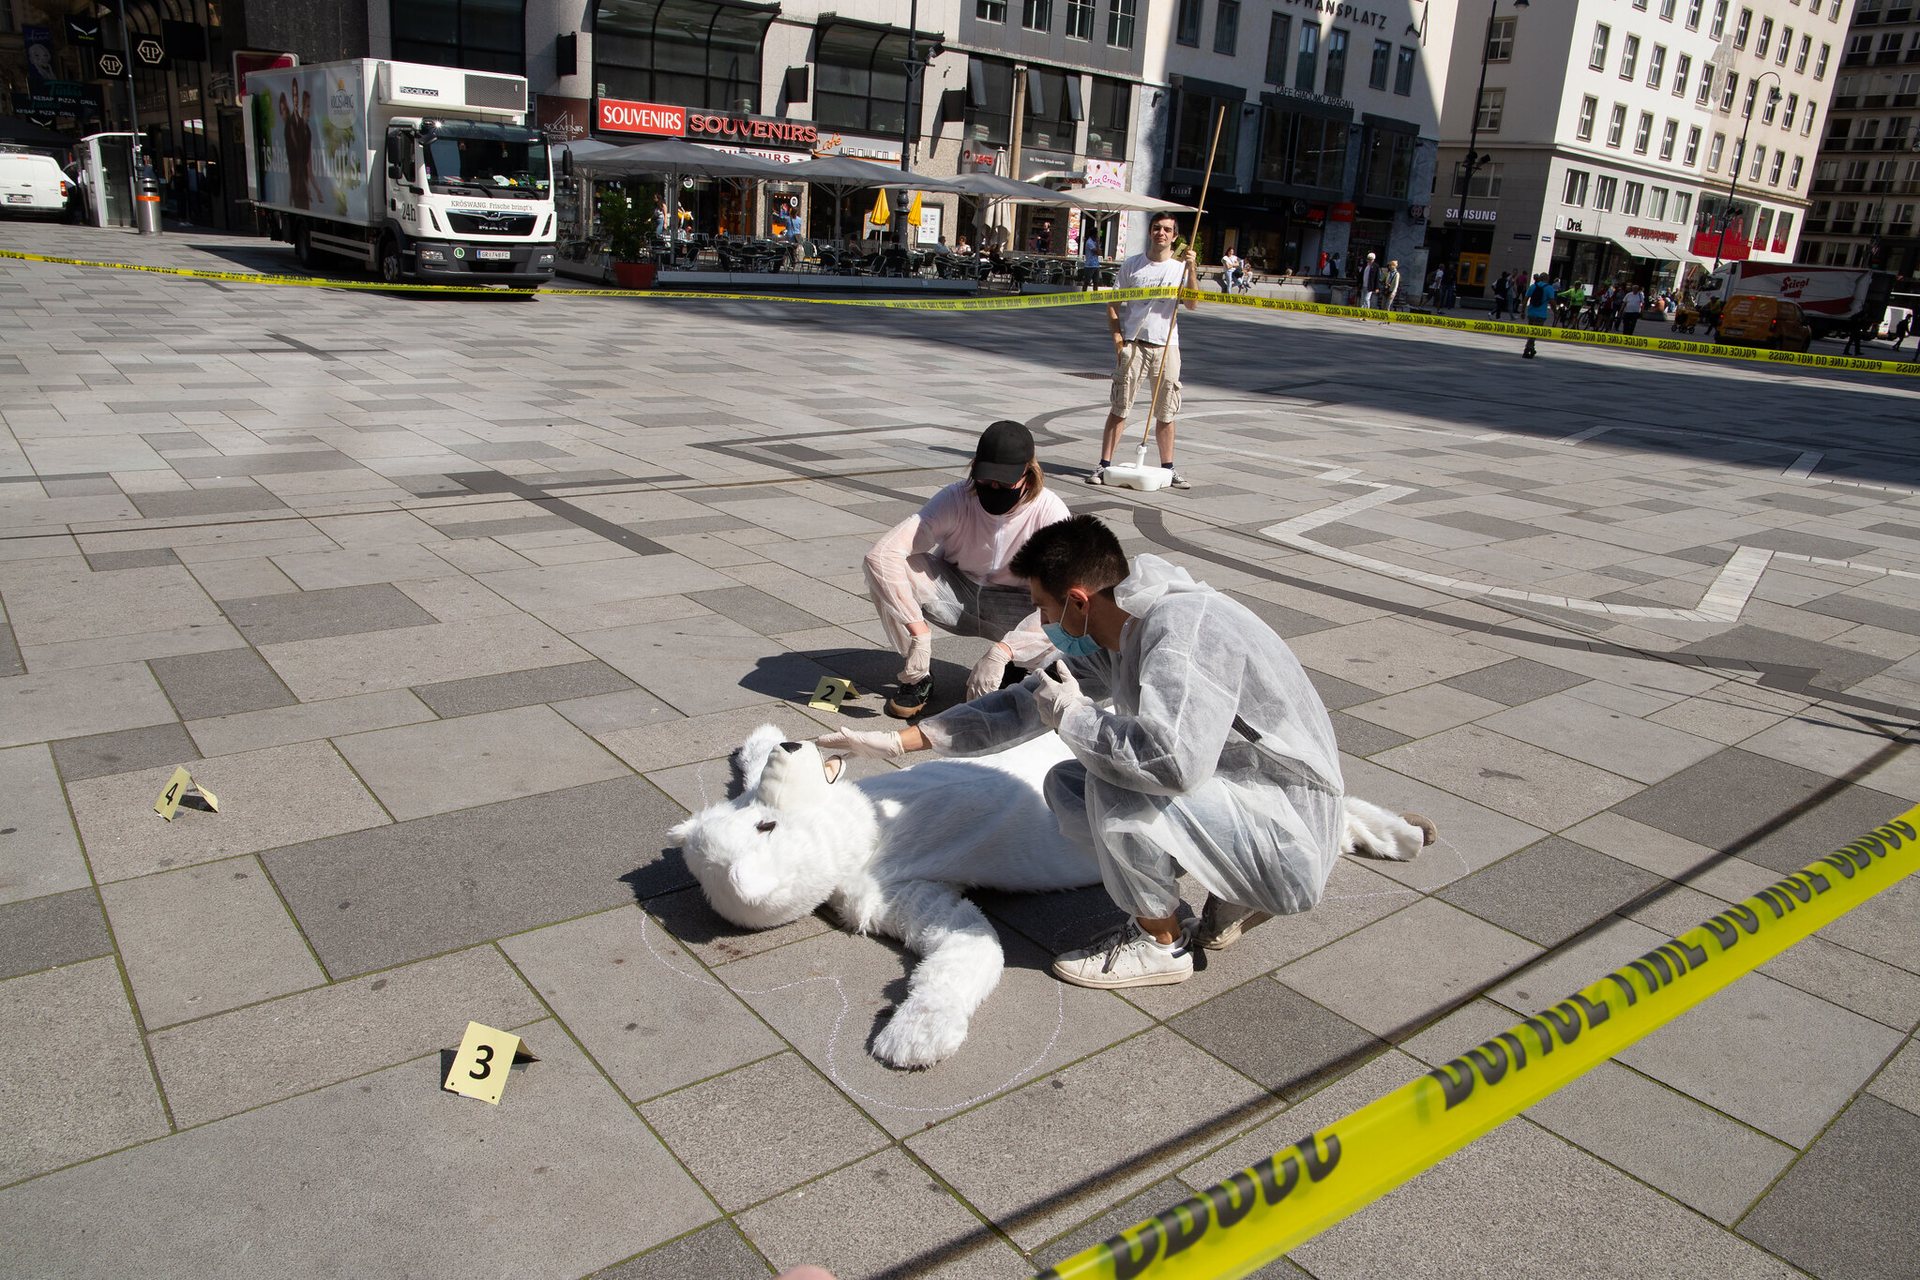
[(1834, 299), (408, 170)]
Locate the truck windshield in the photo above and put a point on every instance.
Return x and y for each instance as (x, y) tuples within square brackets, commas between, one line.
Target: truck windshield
[(512, 167)]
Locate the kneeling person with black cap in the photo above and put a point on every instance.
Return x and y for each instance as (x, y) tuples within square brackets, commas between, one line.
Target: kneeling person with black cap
[(948, 564)]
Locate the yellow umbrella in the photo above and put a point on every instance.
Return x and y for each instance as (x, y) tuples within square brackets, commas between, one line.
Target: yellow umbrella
[(881, 215), (913, 211)]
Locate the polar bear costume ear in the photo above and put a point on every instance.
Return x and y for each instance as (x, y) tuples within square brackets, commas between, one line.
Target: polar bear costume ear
[(751, 757)]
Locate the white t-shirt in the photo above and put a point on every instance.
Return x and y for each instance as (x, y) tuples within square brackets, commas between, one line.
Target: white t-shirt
[(1144, 321), (1631, 304)]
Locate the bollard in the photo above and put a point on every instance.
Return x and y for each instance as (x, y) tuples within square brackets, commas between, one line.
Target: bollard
[(146, 209)]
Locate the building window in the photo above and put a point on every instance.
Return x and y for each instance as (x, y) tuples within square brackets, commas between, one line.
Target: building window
[(1762, 227), (859, 85), (1718, 27), (990, 10), (1759, 163), (1403, 71), (1335, 83), (1779, 163), (1793, 105), (1616, 125), (1641, 5), (1767, 109), (1764, 40), (1713, 152), (1800, 59), (693, 53), (1729, 91), (1741, 28), (1382, 64), (1186, 29), (1786, 47), (1589, 107), (1682, 72), (1036, 15), (1603, 189), (1643, 133), (1691, 155), (1279, 36), (1705, 94), (1300, 150), (1793, 178), (1493, 103), (1629, 56), (1656, 66), (1666, 10), (1388, 170), (1120, 15), (1682, 206), (1783, 231), (1739, 154), (1079, 19), (1630, 199), (1306, 63), (1226, 27), (1820, 63), (1693, 15), (1668, 136), (1597, 58), (1657, 203), (1575, 192), (1806, 121), (1746, 108), (1193, 133), (1053, 109), (1107, 121), (479, 35), (1500, 40), (1486, 181)]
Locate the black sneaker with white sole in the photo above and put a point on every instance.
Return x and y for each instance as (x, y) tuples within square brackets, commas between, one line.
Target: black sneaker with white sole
[(909, 700)]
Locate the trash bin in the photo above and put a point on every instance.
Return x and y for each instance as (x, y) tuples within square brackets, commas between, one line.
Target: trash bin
[(146, 211)]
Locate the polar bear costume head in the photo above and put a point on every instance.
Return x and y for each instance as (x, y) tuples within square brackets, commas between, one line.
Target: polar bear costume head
[(792, 838)]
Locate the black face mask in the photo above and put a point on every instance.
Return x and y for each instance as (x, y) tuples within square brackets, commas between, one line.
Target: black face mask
[(997, 502)]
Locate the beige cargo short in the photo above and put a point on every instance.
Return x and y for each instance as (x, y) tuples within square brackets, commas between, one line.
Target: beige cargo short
[(1138, 362)]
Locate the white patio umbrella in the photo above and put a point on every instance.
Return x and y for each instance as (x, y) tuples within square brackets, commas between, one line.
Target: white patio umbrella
[(675, 159), (1107, 200)]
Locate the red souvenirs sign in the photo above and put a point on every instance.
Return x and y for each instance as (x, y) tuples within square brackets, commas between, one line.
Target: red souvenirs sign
[(615, 115)]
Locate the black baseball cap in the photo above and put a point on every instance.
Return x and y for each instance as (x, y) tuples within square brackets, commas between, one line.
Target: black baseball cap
[(1005, 449)]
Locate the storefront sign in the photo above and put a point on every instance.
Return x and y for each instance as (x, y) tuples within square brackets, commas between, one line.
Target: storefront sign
[(616, 115), (1473, 215), (727, 127), (1341, 213), (1338, 10), (1649, 233), (839, 144), (1570, 224), (1281, 91), (562, 119), (1523, 235)]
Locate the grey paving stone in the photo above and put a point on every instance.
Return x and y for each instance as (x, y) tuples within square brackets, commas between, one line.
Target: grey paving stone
[(703, 737), (312, 615), (1608, 739), (74, 1081), (55, 929), (1362, 737), (224, 682), (1131, 1212), (267, 798), (1899, 1081), (74, 704), (522, 688), (609, 712), (338, 665), (1285, 622), (1423, 960), (1885, 926), (505, 528), (307, 721), (1479, 522), (10, 660), (883, 1217), (1471, 835), (557, 1115), (444, 765), (104, 753), (705, 664), (751, 607), (1842, 1211), (1806, 544), (39, 850), (107, 561), (1021, 1160), (1517, 778), (56, 606), (1549, 891), (1828, 667), (1877, 613), (205, 502), (263, 464), (245, 947), (416, 889), (1778, 815), (223, 1065), (360, 565), (718, 1252), (715, 942), (546, 590), (1336, 693), (1497, 1201), (761, 1129), (507, 450), (1389, 654), (1277, 1037), (1782, 1061), (828, 996), (1873, 988), (646, 1010)]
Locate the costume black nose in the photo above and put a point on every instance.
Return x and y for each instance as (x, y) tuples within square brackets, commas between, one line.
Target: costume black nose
[(789, 746)]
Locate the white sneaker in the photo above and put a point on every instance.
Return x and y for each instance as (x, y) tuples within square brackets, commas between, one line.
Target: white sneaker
[(1221, 924), (1097, 476), (1179, 481), (1126, 958)]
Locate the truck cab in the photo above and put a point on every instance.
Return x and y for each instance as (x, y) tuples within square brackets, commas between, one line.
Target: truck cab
[(467, 198)]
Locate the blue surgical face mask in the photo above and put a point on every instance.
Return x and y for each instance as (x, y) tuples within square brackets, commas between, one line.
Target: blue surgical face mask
[(1070, 646)]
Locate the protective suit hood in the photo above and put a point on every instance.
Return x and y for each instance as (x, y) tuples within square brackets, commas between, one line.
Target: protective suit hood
[(1153, 578)]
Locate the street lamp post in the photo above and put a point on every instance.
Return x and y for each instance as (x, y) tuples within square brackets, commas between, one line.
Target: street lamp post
[(1474, 158), (1733, 186)]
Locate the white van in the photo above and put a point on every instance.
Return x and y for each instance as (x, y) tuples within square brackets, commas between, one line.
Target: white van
[(32, 183)]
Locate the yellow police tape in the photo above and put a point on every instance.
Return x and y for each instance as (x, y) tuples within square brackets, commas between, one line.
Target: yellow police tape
[(1260, 1213), (1031, 301)]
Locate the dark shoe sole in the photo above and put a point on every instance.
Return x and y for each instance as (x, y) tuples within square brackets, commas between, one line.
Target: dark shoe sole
[(909, 701)]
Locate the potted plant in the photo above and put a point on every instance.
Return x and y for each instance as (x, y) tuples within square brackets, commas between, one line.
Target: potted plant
[(625, 228)]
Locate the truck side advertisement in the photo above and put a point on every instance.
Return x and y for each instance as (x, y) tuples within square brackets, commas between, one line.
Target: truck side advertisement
[(308, 152)]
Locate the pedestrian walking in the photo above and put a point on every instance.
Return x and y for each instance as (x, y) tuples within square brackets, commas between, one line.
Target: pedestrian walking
[(1539, 308), (1369, 282), (1630, 307), (1503, 294), (1090, 264), (1144, 341), (1390, 285)]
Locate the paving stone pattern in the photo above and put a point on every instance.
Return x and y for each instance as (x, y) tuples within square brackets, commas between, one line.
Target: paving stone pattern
[(460, 604)]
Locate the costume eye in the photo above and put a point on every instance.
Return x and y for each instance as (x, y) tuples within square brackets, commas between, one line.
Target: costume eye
[(766, 826)]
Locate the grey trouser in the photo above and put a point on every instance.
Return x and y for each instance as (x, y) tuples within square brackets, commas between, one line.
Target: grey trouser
[(963, 606)]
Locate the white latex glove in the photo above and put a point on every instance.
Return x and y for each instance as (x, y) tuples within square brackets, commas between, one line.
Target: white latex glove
[(988, 672), (1057, 693), (881, 745), (919, 660)]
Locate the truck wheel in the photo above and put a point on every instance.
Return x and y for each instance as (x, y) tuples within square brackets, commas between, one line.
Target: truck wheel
[(391, 270), (302, 245)]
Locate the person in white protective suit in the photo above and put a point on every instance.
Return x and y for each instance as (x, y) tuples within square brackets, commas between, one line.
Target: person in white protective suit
[(1216, 753), (948, 563)]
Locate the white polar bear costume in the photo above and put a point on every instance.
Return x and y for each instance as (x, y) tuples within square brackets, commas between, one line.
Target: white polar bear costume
[(892, 854)]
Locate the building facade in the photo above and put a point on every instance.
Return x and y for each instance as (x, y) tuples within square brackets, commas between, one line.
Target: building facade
[(1866, 180), (1649, 139)]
